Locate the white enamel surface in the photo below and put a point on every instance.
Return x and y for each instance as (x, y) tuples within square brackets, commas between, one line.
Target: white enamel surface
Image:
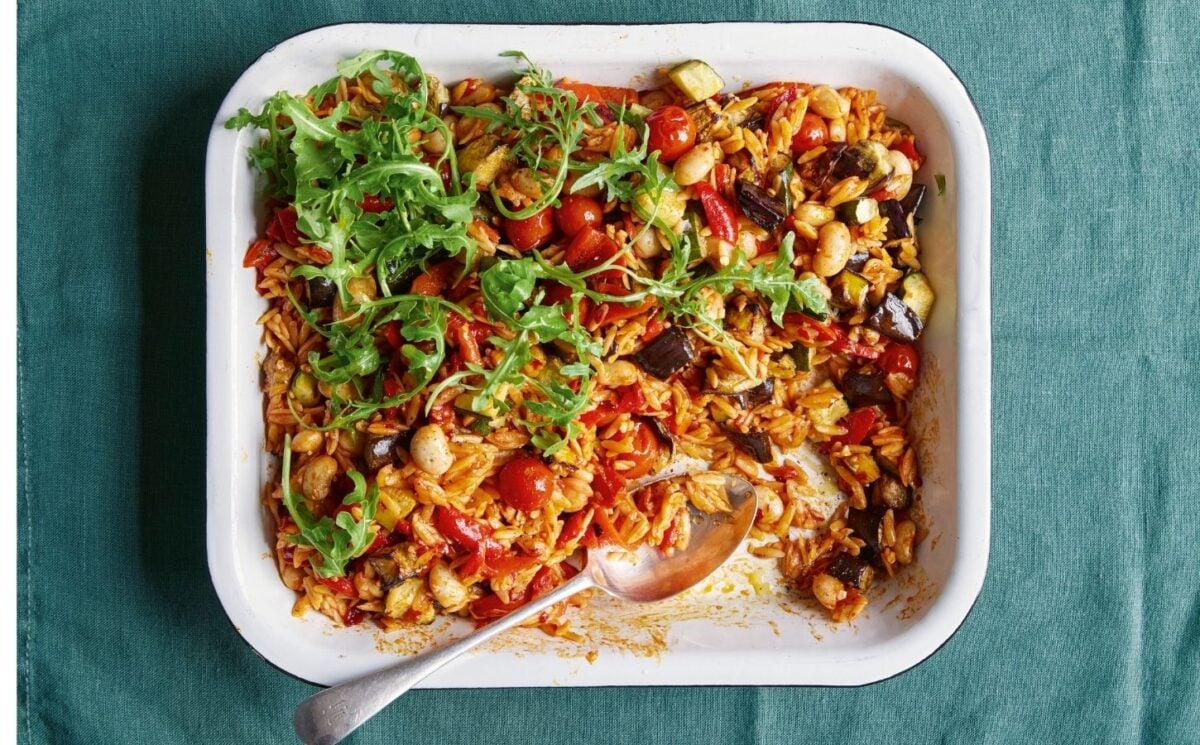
[(713, 634)]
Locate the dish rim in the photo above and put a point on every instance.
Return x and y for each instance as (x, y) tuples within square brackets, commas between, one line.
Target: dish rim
[(972, 447)]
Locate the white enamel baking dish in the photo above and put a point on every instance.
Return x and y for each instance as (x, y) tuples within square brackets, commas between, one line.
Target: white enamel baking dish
[(739, 629)]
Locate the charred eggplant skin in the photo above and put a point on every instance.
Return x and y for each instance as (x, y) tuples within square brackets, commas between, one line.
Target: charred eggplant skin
[(670, 352), (765, 210), (380, 451), (894, 319), (755, 444), (852, 570), (867, 524), (887, 491), (897, 219), (865, 387)]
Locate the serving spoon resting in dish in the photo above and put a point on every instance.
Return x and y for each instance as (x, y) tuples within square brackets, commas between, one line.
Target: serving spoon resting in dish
[(642, 576)]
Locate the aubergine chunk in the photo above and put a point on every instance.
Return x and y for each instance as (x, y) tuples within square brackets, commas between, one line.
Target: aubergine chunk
[(380, 451), (887, 491), (865, 387), (854, 571), (894, 319), (670, 352), (868, 525)]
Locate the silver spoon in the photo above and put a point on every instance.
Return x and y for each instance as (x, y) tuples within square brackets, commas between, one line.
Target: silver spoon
[(332, 714)]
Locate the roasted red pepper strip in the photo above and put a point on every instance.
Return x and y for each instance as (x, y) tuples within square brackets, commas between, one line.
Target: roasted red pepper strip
[(283, 227), (575, 526), (260, 253), (372, 203), (607, 484), (717, 211), (858, 424), (340, 585)]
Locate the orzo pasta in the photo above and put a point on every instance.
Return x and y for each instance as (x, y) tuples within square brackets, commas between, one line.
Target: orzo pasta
[(492, 307)]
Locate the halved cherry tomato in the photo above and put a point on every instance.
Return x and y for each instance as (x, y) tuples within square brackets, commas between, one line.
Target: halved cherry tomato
[(260, 253), (526, 483), (672, 132), (857, 423), (717, 211), (353, 616), (575, 212), (813, 133), (372, 203), (532, 232), (589, 249), (901, 358), (340, 585)]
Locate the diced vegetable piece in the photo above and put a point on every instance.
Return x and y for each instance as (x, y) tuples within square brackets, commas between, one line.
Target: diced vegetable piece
[(859, 211), (393, 507), (831, 414), (857, 261), (889, 492), (867, 524), (897, 219), (852, 570), (756, 396), (865, 387), (670, 352), (485, 158), (759, 206), (321, 291), (865, 469), (400, 599), (849, 290), (918, 295), (756, 444), (802, 356), (912, 202), (696, 79), (380, 451), (304, 389), (865, 159), (896, 320), (660, 430)]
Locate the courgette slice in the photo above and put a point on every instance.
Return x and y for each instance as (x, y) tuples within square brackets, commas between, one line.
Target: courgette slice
[(918, 295), (802, 356), (696, 79), (849, 290), (859, 211)]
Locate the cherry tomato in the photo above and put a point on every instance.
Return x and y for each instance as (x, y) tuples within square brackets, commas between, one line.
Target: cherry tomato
[(435, 280), (813, 133), (532, 232), (672, 132), (526, 483), (901, 358), (578, 212), (590, 248)]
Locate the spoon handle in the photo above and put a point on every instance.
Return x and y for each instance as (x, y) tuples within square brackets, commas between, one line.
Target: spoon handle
[(332, 714)]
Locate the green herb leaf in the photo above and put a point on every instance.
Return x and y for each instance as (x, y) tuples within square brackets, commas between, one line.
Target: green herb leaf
[(337, 541)]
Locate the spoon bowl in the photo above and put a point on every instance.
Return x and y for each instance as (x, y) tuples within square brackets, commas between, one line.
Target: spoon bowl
[(642, 576)]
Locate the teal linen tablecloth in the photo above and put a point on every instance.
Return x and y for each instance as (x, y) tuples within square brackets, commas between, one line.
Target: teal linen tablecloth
[(1088, 628)]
